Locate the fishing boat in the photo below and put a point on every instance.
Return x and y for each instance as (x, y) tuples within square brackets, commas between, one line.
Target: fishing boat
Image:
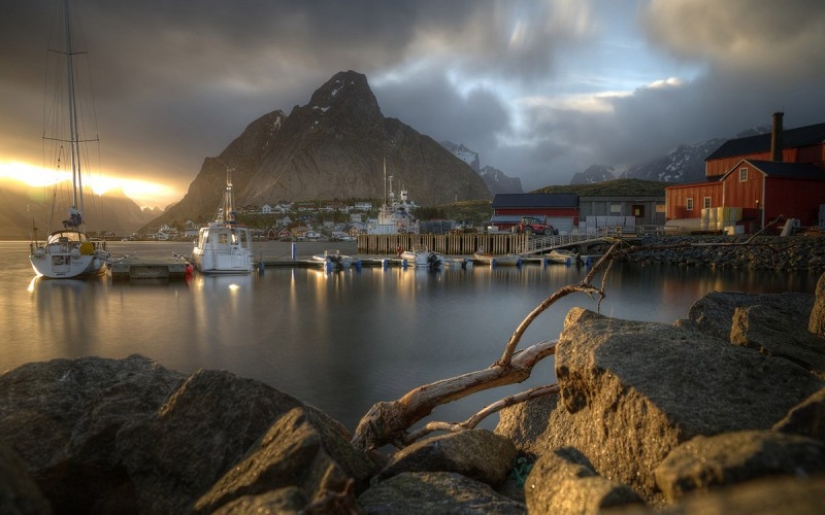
[(487, 258), (419, 256), (223, 246), (395, 215), (67, 253), (333, 260)]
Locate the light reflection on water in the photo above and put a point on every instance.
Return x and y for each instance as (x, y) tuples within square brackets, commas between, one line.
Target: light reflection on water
[(340, 341)]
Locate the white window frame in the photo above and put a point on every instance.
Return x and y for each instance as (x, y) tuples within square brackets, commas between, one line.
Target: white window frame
[(743, 175), (706, 202), (690, 204)]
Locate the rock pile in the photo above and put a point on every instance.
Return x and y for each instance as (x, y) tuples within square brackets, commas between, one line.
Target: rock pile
[(763, 253), (723, 411)]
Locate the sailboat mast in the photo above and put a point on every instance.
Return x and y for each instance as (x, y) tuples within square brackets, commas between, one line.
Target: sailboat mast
[(74, 143)]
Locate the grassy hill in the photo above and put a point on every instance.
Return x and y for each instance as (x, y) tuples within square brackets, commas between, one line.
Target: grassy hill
[(617, 188)]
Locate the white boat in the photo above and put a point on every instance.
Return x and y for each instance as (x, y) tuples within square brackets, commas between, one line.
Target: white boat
[(68, 252), (419, 256), (224, 247), (487, 258), (333, 260), (567, 257)]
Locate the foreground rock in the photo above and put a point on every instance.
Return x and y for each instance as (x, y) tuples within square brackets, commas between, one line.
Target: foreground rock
[(668, 410)]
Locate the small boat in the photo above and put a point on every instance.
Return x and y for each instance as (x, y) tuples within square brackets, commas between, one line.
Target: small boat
[(224, 247), (487, 258), (567, 257), (333, 260), (68, 253), (419, 256)]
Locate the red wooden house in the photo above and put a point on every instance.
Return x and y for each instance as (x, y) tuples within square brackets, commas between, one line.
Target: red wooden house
[(561, 210), (781, 174)]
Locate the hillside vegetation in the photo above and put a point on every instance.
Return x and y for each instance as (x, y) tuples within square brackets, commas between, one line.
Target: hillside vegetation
[(617, 188)]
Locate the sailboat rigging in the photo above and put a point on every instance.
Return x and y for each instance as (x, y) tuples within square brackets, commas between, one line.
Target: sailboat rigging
[(68, 252)]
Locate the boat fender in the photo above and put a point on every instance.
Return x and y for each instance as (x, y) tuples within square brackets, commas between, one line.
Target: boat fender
[(260, 268), (493, 263), (404, 264), (358, 265), (329, 266), (385, 264), (75, 253), (518, 263)]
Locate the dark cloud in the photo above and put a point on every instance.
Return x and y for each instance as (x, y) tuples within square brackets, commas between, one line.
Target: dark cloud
[(177, 81)]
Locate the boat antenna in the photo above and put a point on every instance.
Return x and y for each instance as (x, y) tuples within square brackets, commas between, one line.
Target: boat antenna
[(229, 201)]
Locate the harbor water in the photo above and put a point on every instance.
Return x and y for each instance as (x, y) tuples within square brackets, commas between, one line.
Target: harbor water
[(340, 341)]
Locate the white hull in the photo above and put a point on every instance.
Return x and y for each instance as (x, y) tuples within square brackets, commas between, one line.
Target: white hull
[(498, 260), (422, 259), (333, 260), (223, 250), (67, 255)]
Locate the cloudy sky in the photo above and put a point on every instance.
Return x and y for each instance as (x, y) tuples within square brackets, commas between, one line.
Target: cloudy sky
[(540, 88)]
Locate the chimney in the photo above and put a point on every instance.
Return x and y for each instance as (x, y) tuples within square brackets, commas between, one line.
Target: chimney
[(776, 137)]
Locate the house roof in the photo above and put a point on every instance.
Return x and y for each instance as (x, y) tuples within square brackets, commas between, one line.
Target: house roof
[(545, 200), (791, 138), (784, 170)]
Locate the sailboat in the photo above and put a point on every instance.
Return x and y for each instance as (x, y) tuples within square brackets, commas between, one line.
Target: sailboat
[(69, 253), (224, 247)]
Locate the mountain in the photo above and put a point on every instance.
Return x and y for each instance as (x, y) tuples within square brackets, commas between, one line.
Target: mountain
[(334, 147), (496, 180), (22, 206), (594, 174), (684, 164)]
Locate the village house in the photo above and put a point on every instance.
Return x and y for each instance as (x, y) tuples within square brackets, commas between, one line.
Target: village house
[(754, 180), (561, 210)]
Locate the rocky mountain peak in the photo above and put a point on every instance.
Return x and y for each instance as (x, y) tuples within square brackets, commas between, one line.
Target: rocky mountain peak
[(334, 147)]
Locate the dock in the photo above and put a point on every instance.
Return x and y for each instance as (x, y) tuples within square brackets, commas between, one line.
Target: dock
[(129, 268)]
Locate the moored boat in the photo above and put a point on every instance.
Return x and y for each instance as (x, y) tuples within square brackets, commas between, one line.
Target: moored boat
[(333, 260), (567, 257), (419, 256), (224, 247), (487, 258), (69, 252)]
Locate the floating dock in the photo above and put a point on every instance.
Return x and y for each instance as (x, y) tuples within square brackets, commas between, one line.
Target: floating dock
[(129, 268)]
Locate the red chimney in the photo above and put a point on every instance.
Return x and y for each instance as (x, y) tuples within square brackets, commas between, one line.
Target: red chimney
[(776, 137)]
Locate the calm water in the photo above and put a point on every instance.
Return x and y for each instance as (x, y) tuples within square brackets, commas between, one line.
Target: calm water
[(340, 342)]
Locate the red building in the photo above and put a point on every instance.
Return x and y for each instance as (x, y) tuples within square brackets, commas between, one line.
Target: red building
[(764, 177), (561, 210)]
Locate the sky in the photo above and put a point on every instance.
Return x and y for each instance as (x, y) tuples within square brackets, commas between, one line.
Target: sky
[(541, 89)]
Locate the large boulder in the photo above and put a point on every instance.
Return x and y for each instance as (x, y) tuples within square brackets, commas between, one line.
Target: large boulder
[(563, 481), (305, 456), (713, 313), (807, 418), (175, 455), (710, 462), (772, 333), (816, 324), (19, 494), (478, 454), (633, 391), (436, 493), (62, 418)]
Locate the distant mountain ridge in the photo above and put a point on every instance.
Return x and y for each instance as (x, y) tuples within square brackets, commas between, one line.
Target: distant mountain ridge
[(23, 206), (496, 180), (335, 147), (684, 164)]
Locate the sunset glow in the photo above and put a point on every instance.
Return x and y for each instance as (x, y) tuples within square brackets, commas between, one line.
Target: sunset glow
[(144, 193)]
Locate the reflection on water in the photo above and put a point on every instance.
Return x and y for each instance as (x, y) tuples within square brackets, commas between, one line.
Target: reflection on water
[(340, 341)]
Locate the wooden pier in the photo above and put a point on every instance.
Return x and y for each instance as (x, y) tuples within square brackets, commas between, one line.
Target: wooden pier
[(449, 244), (130, 268)]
